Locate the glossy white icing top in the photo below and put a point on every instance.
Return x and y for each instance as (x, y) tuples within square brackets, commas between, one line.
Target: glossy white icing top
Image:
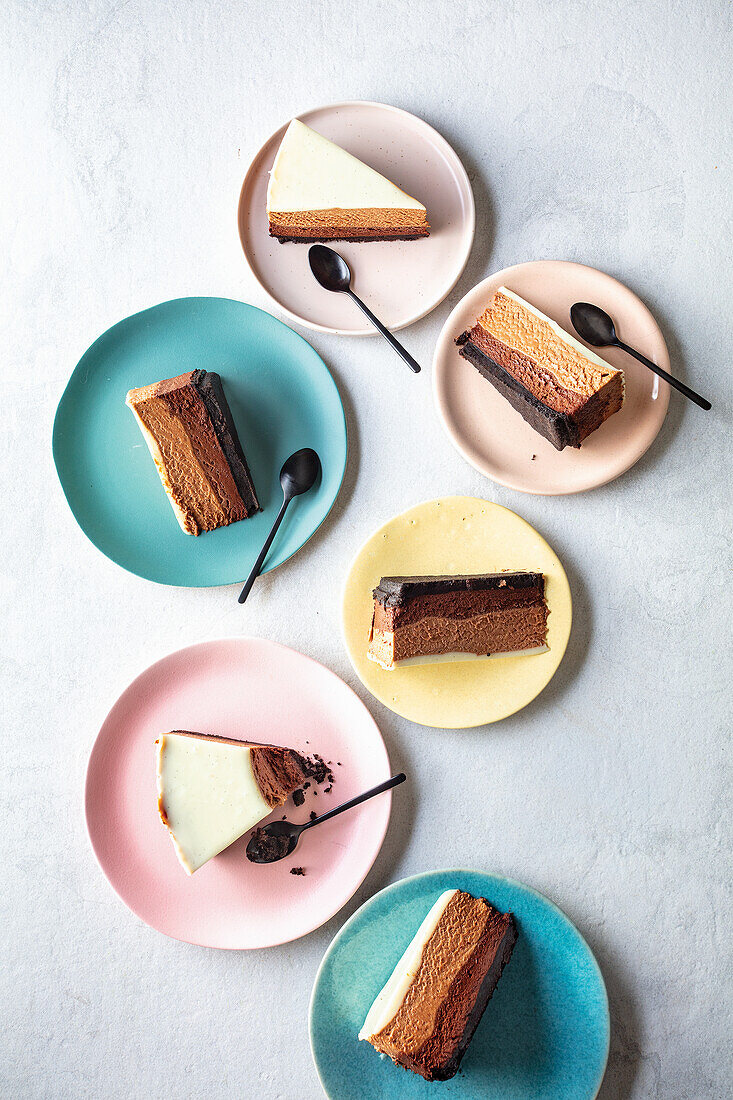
[(311, 173), (209, 794), (559, 332), (387, 1003)]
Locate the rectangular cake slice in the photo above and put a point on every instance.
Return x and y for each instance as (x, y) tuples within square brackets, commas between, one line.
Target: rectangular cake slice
[(561, 388), (417, 620), (426, 1015), (319, 192), (211, 789), (188, 427)]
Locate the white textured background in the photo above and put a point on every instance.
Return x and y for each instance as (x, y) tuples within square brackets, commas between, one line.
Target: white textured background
[(597, 132)]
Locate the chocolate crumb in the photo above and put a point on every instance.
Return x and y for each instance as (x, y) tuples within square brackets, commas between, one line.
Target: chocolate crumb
[(306, 785), (533, 458), (328, 789), (298, 797), (314, 815), (297, 871)]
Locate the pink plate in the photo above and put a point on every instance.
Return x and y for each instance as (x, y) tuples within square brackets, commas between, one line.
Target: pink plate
[(400, 280), (239, 687), (494, 437)]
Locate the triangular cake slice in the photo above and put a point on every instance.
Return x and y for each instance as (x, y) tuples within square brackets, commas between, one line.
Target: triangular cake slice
[(211, 789), (319, 192)]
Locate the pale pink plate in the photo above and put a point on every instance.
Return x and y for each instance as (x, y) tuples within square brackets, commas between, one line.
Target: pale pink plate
[(260, 691), (400, 281), (494, 437)]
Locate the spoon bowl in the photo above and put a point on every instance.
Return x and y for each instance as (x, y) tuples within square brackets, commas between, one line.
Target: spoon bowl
[(593, 325), (330, 269), (299, 473)]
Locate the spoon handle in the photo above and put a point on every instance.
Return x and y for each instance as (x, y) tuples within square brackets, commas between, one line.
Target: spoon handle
[(386, 786), (386, 334), (667, 377), (268, 542)]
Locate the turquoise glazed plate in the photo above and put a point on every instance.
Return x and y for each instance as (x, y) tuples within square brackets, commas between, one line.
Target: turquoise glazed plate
[(545, 1032), (282, 398)]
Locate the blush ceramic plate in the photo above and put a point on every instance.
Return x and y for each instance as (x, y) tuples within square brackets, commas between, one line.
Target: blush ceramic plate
[(545, 1032), (495, 439), (282, 398), (455, 535), (259, 691), (400, 281)]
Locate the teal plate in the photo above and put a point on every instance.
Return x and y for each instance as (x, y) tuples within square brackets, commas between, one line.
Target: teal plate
[(544, 1035), (282, 398)]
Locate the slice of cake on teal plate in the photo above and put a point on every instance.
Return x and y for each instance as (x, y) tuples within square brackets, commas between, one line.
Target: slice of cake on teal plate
[(425, 1016)]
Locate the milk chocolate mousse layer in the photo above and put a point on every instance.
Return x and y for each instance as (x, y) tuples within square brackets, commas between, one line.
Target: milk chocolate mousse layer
[(417, 620), (561, 388), (188, 427), (426, 1015)]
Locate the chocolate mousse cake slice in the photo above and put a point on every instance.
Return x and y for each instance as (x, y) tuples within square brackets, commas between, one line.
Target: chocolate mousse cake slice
[(426, 1015), (212, 790), (190, 432), (419, 620), (561, 388), (319, 192)]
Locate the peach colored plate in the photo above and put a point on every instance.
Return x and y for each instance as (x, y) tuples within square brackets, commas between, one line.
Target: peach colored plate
[(495, 439), (400, 281), (261, 691)]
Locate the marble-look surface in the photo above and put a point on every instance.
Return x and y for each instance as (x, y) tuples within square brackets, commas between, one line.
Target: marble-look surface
[(592, 132)]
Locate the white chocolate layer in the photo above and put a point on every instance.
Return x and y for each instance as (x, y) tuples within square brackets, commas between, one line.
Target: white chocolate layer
[(311, 173), (388, 1001), (209, 795)]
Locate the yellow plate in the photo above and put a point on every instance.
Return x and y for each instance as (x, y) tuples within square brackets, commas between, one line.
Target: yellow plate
[(449, 536)]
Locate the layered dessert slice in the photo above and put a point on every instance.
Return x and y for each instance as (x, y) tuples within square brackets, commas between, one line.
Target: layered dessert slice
[(211, 790), (188, 427), (561, 388), (425, 1016), (419, 620), (319, 192)]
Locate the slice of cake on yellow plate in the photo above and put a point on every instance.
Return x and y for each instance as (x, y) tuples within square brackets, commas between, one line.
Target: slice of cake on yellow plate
[(212, 790), (319, 192)]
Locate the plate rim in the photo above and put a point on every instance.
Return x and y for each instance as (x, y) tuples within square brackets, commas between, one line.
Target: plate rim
[(420, 875), (467, 454), (138, 313), (470, 221), (240, 640), (344, 588)]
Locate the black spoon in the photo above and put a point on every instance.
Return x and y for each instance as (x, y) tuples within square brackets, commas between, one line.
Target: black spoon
[(333, 273), (594, 326), (279, 839), (299, 474)]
